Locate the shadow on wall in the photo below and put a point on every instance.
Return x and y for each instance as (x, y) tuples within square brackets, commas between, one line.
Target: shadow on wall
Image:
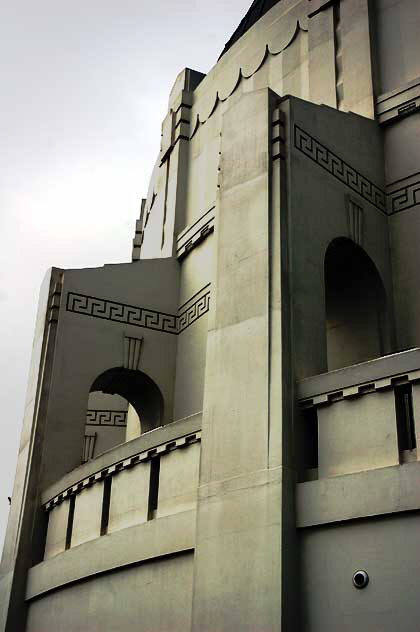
[(122, 405), (357, 322)]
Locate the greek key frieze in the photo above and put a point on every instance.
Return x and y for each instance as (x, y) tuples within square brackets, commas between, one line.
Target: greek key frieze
[(147, 318), (193, 312), (121, 313), (404, 197), (338, 168), (106, 418)]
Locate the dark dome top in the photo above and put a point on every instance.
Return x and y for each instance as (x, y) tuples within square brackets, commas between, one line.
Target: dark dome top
[(257, 9)]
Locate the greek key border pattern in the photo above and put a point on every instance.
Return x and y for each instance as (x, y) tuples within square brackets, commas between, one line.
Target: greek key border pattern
[(338, 168), (194, 309), (106, 418), (404, 198), (96, 307)]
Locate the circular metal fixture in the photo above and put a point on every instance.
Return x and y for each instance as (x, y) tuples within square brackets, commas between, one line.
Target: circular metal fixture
[(360, 579)]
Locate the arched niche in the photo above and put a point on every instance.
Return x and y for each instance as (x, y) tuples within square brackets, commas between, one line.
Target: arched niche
[(122, 405), (355, 306)]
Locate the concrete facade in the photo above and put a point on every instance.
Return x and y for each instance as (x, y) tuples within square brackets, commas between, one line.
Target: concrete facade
[(220, 434)]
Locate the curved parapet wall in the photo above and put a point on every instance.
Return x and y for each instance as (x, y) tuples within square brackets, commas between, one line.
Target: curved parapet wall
[(146, 594), (133, 506), (206, 524), (127, 455)]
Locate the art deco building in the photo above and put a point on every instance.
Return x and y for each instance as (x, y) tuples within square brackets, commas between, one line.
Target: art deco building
[(222, 435)]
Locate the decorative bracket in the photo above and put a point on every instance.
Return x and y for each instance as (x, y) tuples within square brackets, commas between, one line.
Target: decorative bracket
[(355, 219), (132, 349)]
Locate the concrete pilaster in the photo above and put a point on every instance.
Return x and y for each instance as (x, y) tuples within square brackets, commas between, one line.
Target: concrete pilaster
[(240, 525)]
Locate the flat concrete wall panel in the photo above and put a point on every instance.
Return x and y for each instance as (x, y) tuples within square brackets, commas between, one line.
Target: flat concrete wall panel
[(322, 71), (356, 58), (204, 150), (151, 597), (405, 228), (178, 481), (129, 497), (196, 273), (296, 67), (87, 514), (388, 549), (240, 549), (402, 153), (357, 434), (398, 26), (57, 529)]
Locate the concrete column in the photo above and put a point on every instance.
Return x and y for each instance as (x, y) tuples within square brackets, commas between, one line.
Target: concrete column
[(240, 524), (26, 526)]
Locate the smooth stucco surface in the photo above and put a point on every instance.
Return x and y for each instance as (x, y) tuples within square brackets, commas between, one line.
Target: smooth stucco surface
[(267, 479)]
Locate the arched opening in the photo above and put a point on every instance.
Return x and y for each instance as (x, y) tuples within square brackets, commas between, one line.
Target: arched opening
[(355, 305), (122, 405)]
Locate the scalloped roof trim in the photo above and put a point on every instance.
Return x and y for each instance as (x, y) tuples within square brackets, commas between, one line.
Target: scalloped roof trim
[(280, 35), (228, 73)]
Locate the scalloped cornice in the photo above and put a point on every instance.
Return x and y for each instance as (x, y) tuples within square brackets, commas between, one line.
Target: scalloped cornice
[(270, 36)]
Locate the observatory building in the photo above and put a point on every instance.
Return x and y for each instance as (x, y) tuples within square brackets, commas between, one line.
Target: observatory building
[(224, 434)]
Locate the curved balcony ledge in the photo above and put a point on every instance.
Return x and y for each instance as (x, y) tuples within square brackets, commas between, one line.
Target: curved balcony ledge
[(119, 456), (169, 535), (353, 380), (365, 494)]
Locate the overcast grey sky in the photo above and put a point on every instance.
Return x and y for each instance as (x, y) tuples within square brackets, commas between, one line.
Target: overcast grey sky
[(84, 88)]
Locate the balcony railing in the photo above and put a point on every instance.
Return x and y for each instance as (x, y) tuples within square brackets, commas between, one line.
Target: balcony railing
[(362, 417), (150, 477)]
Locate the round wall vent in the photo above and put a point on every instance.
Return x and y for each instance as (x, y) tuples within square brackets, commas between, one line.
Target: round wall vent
[(360, 579)]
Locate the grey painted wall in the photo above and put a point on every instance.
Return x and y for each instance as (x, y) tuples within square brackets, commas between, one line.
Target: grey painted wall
[(228, 291)]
